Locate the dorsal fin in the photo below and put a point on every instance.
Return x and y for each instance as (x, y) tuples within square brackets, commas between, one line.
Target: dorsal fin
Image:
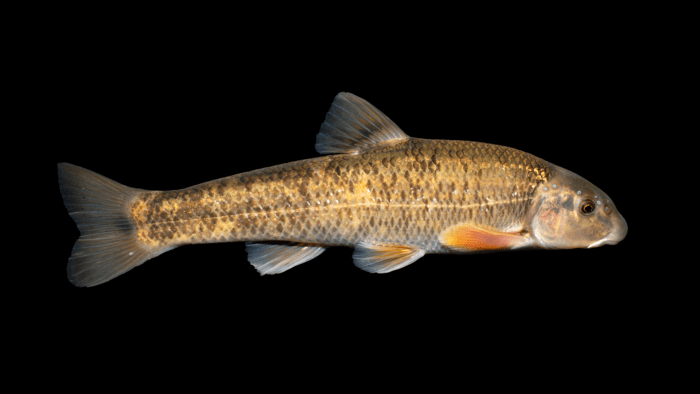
[(352, 124)]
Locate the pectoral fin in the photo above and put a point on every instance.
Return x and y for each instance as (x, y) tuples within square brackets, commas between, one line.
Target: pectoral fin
[(471, 238), (383, 259)]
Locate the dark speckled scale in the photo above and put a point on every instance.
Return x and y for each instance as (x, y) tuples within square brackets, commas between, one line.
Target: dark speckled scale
[(404, 193)]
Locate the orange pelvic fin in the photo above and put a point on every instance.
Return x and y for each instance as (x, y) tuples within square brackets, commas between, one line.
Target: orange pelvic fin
[(385, 258), (470, 238)]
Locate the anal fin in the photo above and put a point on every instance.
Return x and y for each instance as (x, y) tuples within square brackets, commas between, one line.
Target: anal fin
[(467, 237), (381, 259), (275, 258)]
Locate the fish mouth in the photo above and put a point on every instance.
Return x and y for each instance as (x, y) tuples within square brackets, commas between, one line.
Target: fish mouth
[(614, 237), (605, 241)]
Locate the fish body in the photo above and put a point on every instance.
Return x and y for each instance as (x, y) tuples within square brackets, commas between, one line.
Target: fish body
[(391, 197)]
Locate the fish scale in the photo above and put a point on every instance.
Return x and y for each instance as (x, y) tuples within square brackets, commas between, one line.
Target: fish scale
[(391, 197), (408, 193)]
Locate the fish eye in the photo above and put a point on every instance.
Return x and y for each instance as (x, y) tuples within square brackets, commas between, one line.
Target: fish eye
[(587, 207)]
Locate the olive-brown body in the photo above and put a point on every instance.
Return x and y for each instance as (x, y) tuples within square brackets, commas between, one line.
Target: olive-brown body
[(391, 197), (406, 193)]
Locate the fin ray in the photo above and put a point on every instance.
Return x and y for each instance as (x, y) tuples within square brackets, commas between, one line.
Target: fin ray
[(381, 259), (352, 124), (467, 237), (275, 258), (108, 246)]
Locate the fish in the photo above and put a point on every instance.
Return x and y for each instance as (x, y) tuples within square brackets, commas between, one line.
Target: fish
[(391, 197)]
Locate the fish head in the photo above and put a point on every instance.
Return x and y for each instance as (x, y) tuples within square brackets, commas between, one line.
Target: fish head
[(569, 212)]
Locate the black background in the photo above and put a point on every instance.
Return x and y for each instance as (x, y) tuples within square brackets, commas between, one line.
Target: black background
[(167, 113)]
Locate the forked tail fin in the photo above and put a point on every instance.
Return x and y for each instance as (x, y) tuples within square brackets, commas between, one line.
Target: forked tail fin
[(108, 246)]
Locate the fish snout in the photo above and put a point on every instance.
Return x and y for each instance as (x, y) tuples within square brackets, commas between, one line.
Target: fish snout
[(618, 234)]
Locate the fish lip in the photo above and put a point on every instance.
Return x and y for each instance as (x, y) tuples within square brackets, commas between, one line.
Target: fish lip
[(613, 238), (605, 241)]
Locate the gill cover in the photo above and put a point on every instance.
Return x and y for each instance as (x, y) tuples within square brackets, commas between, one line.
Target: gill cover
[(570, 212)]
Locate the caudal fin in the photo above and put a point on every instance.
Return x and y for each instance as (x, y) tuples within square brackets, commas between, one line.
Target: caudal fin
[(108, 246)]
